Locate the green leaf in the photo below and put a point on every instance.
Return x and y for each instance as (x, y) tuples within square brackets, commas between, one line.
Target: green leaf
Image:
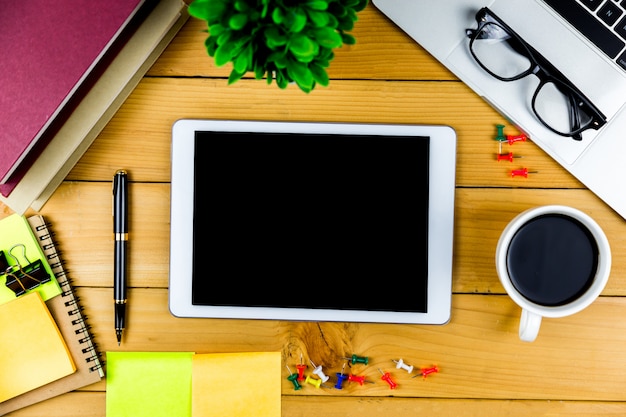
[(317, 5), (279, 59), (319, 75), (282, 80), (216, 29), (234, 77), (241, 62), (241, 6), (209, 10), (332, 21), (296, 20), (361, 5), (266, 5), (237, 21), (327, 37), (348, 39), (224, 37), (274, 38), (301, 74), (278, 16), (259, 71), (211, 45), (302, 47), (318, 18), (223, 54)]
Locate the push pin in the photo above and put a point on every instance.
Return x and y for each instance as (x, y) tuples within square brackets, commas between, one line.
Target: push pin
[(315, 382), (358, 359), (318, 371), (294, 379), (506, 157), (523, 172), (427, 371), (387, 378), (511, 139), (301, 367), (341, 377), (358, 379), (500, 136), (401, 365)]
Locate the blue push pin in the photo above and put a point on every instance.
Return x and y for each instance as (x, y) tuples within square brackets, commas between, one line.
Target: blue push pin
[(341, 377)]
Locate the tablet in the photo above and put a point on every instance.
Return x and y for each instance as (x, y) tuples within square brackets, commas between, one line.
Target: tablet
[(312, 221)]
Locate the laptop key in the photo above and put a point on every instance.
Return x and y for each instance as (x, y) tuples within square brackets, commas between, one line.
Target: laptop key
[(592, 4), (621, 61), (620, 28), (589, 26), (609, 13)]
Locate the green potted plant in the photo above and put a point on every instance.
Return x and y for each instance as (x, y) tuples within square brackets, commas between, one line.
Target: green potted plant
[(290, 41)]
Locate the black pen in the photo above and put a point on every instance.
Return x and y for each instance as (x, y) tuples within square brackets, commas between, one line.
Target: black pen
[(120, 233)]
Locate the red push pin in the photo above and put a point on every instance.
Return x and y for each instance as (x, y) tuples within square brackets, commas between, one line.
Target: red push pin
[(387, 378), (356, 378), (301, 367), (522, 172), (511, 139), (506, 157), (359, 379), (427, 371)]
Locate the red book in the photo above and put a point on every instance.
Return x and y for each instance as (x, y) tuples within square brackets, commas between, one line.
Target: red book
[(48, 50)]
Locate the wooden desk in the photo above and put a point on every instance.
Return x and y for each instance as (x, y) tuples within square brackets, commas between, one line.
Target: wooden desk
[(577, 365)]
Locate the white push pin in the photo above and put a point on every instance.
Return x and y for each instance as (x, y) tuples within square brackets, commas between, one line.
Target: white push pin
[(401, 364), (318, 371)]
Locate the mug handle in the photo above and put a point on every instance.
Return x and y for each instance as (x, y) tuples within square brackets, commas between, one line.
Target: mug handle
[(529, 326)]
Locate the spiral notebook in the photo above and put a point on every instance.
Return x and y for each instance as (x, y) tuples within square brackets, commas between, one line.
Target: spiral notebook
[(67, 313)]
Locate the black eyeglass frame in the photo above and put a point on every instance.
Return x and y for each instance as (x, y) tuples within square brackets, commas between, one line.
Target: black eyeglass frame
[(546, 72)]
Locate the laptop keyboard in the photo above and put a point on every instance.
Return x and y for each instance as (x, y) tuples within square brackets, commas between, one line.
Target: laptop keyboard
[(603, 22)]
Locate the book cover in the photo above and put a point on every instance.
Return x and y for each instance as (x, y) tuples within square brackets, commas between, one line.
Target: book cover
[(48, 50), (46, 173), (68, 315)]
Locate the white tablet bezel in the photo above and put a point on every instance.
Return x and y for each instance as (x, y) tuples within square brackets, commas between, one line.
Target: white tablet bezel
[(442, 176)]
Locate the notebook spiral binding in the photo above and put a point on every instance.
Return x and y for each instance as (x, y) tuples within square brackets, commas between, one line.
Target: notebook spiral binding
[(72, 302)]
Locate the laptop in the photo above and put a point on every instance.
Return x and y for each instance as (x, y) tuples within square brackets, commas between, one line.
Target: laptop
[(312, 221), (581, 41)]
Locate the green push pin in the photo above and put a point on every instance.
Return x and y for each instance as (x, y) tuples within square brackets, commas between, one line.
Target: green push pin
[(500, 137), (358, 359), (294, 379)]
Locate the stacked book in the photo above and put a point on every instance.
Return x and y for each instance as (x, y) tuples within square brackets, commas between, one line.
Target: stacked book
[(67, 67)]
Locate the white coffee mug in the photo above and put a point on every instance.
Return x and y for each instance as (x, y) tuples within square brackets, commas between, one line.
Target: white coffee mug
[(553, 261)]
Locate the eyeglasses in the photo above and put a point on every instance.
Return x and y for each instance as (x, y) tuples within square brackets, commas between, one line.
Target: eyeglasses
[(557, 103)]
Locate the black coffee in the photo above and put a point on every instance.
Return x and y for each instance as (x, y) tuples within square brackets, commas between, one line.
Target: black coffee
[(552, 259)]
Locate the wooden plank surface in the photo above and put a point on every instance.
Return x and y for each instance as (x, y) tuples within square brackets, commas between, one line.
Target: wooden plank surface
[(576, 366)]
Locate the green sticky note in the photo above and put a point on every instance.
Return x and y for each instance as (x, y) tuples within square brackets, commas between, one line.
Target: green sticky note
[(15, 230), (150, 384)]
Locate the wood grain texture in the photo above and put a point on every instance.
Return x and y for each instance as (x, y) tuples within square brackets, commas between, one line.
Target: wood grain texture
[(575, 368)]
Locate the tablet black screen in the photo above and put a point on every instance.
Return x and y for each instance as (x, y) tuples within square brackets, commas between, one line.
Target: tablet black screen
[(311, 221)]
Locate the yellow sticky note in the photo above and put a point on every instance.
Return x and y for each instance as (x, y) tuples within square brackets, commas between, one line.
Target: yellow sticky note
[(236, 384), (150, 384), (32, 349)]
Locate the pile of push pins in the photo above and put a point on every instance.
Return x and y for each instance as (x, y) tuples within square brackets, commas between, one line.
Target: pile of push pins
[(508, 156), (318, 378)]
